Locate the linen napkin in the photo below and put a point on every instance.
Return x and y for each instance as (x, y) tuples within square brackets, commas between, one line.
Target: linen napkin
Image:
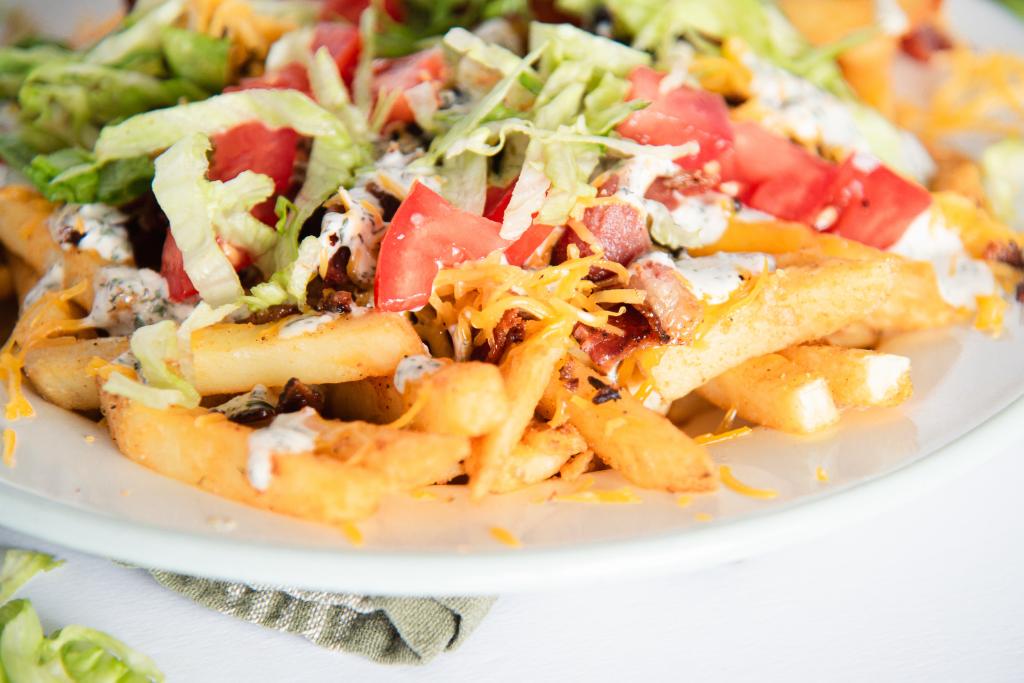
[(385, 630)]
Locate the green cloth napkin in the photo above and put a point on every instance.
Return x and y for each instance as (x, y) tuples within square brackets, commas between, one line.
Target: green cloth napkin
[(385, 630)]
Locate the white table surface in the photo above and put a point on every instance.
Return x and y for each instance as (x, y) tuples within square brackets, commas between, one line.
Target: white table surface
[(930, 592)]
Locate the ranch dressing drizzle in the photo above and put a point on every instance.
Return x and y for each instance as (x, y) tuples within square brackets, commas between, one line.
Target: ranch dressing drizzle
[(127, 298), (306, 324), (288, 434), (714, 278), (961, 278), (412, 368), (95, 227)]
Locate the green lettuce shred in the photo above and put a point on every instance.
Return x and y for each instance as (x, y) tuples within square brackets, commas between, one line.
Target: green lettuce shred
[(197, 57), (19, 566), (1003, 174)]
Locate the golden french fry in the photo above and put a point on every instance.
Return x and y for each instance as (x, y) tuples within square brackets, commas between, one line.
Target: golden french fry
[(577, 466), (525, 369), (542, 453), (855, 376), (59, 369), (775, 392), (466, 399), (231, 358), (915, 302), (794, 305), (81, 265), (644, 446), (353, 466), (373, 399), (859, 335), (23, 230)]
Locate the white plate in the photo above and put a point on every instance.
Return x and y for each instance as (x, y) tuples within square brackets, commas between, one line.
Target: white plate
[(85, 495)]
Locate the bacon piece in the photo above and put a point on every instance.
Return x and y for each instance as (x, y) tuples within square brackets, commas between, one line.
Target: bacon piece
[(924, 41), (620, 228), (509, 330), (677, 311), (607, 349), (1008, 253), (297, 395), (272, 314)]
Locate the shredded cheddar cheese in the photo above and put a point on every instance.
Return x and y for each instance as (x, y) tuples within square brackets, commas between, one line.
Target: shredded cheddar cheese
[(708, 439), (237, 20), (406, 418), (352, 533), (731, 482), (503, 535), (821, 475), (684, 501), (991, 311), (703, 517), (10, 443), (623, 496)]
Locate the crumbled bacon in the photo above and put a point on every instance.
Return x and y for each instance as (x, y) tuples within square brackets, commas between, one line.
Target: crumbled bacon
[(924, 41), (676, 310), (273, 314), (297, 395), (1005, 252), (511, 329), (337, 270), (668, 189), (607, 349), (605, 392), (619, 227)]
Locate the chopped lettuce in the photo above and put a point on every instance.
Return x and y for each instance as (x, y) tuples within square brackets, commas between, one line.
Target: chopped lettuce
[(568, 43), (330, 92), (157, 130), (74, 654), (898, 149), (66, 104), (71, 175), (203, 315), (197, 57), (465, 181), (21, 565), (606, 106), (17, 62), (155, 346), (424, 19), (140, 34), (1003, 168), (184, 194)]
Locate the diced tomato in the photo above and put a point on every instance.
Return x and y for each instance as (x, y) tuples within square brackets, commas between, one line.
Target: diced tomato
[(291, 77), (777, 176), (619, 227), (875, 205), (522, 249), (353, 9), (172, 267), (342, 41), (427, 234), (677, 117), (407, 72), (254, 147)]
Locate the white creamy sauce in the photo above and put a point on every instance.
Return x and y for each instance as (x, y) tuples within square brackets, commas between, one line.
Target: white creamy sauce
[(714, 278), (891, 18), (358, 230), (961, 278), (258, 397), (50, 281), (412, 368), (127, 298), (288, 434), (128, 360), (96, 227), (637, 173), (393, 172), (706, 216), (305, 324)]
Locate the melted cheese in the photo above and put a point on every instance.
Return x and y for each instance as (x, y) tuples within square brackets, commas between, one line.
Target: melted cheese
[(731, 482), (506, 537), (10, 443)]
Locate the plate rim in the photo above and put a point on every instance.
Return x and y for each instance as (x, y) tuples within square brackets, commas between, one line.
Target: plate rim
[(504, 569)]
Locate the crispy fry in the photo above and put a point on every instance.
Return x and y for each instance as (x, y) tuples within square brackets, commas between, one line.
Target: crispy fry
[(466, 399), (577, 466), (774, 392), (23, 231), (354, 464), (81, 265), (857, 377), (542, 453), (859, 335), (59, 369), (525, 369), (795, 305), (373, 399), (231, 358), (645, 447)]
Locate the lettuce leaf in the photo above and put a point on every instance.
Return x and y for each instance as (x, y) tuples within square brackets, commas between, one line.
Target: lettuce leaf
[(568, 43), (140, 33), (197, 57), (17, 62), (154, 346), (21, 565), (1003, 174)]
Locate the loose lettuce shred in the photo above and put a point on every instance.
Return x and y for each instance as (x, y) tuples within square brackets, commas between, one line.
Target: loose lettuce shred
[(21, 565), (424, 19), (159, 386), (1003, 168)]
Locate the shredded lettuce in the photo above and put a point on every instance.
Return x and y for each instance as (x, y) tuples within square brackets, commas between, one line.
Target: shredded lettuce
[(155, 346), (142, 33), (330, 92), (568, 43), (74, 654), (183, 193), (606, 106), (1003, 171), (197, 57), (291, 48), (424, 19), (898, 149), (21, 565), (203, 315), (465, 181), (156, 130), (17, 62)]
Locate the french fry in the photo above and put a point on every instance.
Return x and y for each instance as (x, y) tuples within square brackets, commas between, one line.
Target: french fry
[(81, 265), (577, 466), (542, 453), (644, 446), (772, 391), (23, 276), (794, 305), (58, 369), (231, 358), (525, 369), (352, 467), (859, 335), (23, 231), (466, 399), (855, 376), (373, 399)]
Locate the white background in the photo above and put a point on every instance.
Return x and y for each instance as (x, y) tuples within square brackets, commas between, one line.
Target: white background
[(930, 592)]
